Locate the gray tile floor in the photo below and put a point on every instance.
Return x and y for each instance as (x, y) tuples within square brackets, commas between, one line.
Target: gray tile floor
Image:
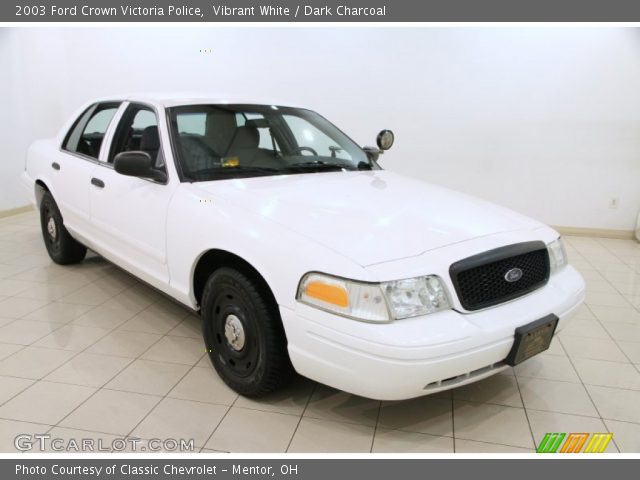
[(88, 352)]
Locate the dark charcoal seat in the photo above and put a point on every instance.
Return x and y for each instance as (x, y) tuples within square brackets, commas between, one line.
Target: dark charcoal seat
[(245, 146), (150, 143)]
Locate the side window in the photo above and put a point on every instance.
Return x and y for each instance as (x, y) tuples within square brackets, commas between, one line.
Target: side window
[(87, 133), (138, 131), (144, 119)]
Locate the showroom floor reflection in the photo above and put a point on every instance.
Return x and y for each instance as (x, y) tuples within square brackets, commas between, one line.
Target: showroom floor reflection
[(89, 352)]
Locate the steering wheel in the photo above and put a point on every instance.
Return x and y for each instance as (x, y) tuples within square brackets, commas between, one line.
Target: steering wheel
[(308, 149)]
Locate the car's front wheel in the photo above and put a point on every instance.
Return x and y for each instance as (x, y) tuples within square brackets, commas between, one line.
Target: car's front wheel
[(61, 246), (243, 333)]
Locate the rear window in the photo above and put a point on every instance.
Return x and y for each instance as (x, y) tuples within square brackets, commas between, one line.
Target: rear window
[(87, 133)]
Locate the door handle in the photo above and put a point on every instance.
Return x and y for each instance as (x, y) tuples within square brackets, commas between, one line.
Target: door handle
[(55, 166), (97, 182)]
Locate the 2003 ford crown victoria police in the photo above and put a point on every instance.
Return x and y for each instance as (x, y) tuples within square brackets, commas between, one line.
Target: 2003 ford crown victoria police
[(300, 252)]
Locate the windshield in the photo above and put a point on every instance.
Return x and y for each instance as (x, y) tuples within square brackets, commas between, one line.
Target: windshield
[(214, 142)]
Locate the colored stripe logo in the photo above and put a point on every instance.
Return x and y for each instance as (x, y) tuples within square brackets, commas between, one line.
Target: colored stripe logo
[(574, 443), (550, 442), (598, 442)]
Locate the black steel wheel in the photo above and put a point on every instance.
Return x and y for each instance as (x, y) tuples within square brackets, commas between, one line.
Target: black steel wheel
[(243, 333), (61, 246)]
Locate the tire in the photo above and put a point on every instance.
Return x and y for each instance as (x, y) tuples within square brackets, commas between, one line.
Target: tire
[(61, 246), (243, 334)]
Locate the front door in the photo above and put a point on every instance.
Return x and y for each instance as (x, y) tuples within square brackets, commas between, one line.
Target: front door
[(129, 213)]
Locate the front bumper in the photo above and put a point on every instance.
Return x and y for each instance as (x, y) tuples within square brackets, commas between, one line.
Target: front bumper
[(422, 355)]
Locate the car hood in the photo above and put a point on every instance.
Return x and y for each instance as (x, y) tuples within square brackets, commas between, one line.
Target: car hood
[(369, 216)]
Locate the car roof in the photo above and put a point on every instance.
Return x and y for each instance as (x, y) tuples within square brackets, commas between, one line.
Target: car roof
[(192, 98)]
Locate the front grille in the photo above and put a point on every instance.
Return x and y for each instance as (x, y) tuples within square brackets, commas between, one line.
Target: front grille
[(480, 281)]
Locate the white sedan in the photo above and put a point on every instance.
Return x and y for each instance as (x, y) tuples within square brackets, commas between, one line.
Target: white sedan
[(300, 253)]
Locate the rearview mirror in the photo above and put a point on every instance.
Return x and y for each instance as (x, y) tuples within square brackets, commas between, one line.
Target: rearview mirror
[(137, 164)]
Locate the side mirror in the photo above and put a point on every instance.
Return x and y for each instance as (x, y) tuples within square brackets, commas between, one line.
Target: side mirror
[(137, 164), (372, 153), (385, 140)]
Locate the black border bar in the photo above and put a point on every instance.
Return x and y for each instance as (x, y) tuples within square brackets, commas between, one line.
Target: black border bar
[(562, 466), (321, 11)]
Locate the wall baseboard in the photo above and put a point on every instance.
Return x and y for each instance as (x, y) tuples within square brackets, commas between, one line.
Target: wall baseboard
[(15, 211), (596, 232)]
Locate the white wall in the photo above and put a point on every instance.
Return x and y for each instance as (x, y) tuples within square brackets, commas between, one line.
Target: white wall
[(546, 121)]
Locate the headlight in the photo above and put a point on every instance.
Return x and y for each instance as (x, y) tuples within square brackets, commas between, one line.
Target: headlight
[(557, 255), (363, 301), (374, 302)]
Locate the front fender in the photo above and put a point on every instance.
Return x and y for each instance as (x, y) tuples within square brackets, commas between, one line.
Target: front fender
[(198, 222)]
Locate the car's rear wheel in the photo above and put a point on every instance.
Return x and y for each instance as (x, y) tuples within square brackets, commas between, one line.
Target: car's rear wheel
[(243, 333), (61, 246)]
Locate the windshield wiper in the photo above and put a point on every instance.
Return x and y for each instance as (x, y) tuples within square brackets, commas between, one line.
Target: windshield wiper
[(318, 164), (200, 175), (239, 168)]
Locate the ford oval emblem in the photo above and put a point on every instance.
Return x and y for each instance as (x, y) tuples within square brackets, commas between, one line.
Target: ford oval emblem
[(513, 275)]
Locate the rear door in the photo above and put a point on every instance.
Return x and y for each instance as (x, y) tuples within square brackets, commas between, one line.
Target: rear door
[(74, 164), (130, 212)]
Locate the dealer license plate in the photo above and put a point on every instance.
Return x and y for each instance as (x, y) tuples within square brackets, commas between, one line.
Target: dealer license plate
[(532, 339)]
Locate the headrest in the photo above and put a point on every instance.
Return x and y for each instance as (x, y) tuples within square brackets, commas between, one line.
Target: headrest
[(219, 130), (246, 137), (150, 139)]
